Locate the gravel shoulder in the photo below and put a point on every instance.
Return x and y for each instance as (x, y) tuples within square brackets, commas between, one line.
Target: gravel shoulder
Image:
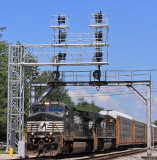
[(6, 156), (132, 157), (136, 156)]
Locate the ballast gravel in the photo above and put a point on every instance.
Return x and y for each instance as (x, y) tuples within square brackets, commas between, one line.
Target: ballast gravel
[(6, 156), (132, 157), (137, 156)]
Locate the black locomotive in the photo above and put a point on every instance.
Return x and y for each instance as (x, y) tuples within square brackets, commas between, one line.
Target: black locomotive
[(56, 128)]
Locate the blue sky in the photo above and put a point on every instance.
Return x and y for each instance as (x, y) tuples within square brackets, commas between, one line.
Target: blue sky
[(132, 31)]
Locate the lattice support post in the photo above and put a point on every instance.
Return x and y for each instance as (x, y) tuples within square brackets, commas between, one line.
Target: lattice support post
[(147, 102), (15, 108), (149, 153)]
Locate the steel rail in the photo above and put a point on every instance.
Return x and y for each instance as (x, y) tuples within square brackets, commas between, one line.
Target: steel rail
[(114, 155)]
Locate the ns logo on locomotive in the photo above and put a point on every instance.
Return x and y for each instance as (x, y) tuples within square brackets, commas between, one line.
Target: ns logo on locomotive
[(57, 128)]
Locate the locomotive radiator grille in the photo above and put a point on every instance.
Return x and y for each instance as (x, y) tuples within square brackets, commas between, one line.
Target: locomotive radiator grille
[(45, 126), (56, 126), (33, 126)]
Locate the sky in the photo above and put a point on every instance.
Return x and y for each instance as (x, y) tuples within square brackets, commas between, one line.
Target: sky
[(132, 40)]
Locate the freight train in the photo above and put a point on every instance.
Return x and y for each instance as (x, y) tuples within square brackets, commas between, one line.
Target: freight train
[(56, 128)]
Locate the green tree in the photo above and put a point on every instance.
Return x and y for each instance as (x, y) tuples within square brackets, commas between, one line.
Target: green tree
[(3, 73), (29, 71), (58, 93), (83, 105), (1, 29), (3, 88), (155, 123)]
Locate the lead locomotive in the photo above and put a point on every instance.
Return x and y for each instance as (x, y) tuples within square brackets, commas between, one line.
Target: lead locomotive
[(56, 128)]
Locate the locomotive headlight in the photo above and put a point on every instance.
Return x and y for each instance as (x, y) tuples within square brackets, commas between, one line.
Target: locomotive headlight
[(32, 133), (50, 133), (47, 103)]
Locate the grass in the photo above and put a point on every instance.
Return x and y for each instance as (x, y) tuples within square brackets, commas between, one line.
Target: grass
[(2, 151), (15, 151)]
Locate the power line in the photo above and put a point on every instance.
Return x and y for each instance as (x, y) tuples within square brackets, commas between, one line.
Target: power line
[(103, 95), (124, 92)]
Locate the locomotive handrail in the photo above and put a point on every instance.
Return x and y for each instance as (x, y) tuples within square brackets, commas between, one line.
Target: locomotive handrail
[(95, 140), (26, 132), (60, 134), (61, 137)]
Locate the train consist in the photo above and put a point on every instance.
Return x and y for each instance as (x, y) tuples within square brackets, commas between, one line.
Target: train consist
[(56, 128)]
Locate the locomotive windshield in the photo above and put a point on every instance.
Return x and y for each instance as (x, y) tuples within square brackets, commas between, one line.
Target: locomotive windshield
[(47, 108), (55, 109), (39, 109)]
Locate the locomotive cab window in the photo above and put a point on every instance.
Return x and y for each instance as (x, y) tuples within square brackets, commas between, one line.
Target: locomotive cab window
[(55, 109), (103, 124), (47, 107), (39, 108)]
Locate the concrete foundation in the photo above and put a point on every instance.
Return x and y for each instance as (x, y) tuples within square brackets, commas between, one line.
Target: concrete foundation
[(21, 149)]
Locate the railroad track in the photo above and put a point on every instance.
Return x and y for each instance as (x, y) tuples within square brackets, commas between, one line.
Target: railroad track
[(95, 156), (114, 155)]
